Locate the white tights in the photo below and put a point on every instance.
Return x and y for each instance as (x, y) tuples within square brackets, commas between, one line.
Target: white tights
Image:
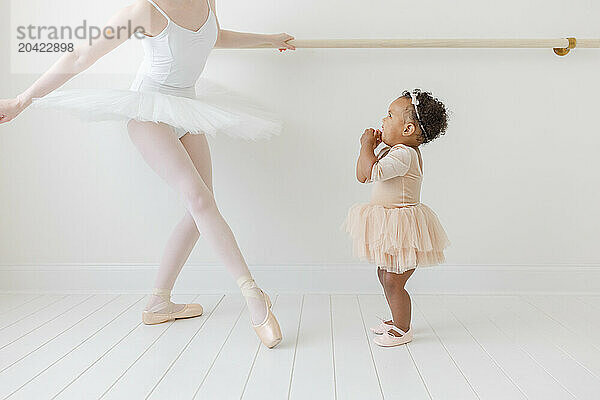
[(185, 165)]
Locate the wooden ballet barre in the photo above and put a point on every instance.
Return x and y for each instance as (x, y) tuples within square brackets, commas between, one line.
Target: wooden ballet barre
[(560, 46)]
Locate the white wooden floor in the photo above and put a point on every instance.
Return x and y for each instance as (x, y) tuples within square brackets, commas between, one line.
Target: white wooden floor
[(465, 347)]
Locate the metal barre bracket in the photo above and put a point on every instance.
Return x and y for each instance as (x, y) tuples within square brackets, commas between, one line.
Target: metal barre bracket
[(564, 51)]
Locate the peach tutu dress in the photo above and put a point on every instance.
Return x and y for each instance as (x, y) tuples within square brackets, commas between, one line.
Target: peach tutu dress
[(395, 230)]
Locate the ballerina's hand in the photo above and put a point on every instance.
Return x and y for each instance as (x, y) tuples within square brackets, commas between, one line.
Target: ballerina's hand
[(9, 109), (281, 41)]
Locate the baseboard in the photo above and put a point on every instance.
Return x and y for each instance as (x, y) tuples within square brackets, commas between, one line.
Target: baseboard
[(444, 279)]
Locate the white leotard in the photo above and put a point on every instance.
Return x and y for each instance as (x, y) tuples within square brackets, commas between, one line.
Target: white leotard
[(175, 58)]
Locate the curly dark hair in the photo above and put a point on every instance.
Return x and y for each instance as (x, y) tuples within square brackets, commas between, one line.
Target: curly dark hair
[(433, 115)]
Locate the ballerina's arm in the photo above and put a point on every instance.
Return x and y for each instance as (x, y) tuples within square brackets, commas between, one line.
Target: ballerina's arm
[(82, 57), (233, 39)]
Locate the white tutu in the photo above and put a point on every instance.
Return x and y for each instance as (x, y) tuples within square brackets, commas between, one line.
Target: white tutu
[(211, 110)]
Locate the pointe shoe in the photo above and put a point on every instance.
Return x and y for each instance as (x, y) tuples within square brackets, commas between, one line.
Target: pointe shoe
[(381, 328), (389, 340), (268, 331), (188, 311)]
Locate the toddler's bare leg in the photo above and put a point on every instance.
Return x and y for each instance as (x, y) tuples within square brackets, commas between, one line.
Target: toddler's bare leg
[(398, 298), (381, 276)]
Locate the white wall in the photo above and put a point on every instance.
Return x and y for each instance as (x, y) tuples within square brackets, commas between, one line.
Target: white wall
[(514, 181)]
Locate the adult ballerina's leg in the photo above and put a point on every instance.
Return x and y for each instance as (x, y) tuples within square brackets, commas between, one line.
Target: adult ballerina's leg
[(180, 244), (168, 157)]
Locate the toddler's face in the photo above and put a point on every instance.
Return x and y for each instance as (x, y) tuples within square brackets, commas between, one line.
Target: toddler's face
[(395, 128)]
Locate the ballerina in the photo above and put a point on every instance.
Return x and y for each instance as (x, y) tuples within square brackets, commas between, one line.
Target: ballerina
[(167, 121)]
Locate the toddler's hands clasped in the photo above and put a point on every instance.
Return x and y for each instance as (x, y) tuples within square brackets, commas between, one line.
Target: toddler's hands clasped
[(371, 138)]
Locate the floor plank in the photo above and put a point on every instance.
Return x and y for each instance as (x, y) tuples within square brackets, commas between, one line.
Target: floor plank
[(571, 313), (485, 376), (228, 375), (58, 376), (11, 301), (39, 319), (398, 374), (355, 373), (26, 309), (314, 374), (442, 376), (530, 377), (185, 376), (37, 338), (95, 381), (35, 363), (574, 377), (144, 374), (540, 323), (272, 370)]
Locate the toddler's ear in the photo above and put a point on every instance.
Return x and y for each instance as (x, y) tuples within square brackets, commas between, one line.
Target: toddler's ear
[(409, 129)]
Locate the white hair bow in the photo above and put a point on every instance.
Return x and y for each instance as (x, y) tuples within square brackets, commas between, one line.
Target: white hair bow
[(415, 102)]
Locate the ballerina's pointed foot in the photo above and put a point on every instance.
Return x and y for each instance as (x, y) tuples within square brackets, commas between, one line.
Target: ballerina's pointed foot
[(268, 331), (188, 311), (388, 339)]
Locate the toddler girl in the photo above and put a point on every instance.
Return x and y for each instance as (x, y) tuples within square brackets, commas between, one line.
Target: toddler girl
[(395, 230)]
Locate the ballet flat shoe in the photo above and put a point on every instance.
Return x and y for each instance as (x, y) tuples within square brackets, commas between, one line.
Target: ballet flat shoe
[(381, 328), (388, 340), (269, 331), (188, 311)]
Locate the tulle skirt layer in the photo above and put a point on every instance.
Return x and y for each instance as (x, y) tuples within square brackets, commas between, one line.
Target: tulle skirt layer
[(397, 239), (213, 110)]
